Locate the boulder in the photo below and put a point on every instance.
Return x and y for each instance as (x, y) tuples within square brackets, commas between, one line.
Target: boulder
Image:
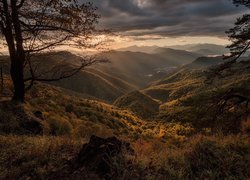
[(97, 155), (39, 115), (32, 126)]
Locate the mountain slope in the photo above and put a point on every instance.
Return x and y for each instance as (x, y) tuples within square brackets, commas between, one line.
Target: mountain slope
[(180, 142), (140, 69), (179, 57), (205, 62), (88, 81), (204, 49), (143, 49), (138, 103), (186, 97), (126, 71)]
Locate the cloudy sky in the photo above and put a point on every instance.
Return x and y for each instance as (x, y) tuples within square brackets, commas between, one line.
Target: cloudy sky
[(168, 22)]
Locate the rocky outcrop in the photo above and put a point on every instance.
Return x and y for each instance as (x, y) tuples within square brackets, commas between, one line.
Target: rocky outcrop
[(99, 153)]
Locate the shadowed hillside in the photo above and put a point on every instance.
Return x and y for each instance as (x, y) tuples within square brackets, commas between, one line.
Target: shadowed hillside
[(88, 81)]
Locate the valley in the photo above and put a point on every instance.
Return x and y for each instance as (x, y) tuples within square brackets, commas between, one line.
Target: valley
[(124, 90), (177, 110)]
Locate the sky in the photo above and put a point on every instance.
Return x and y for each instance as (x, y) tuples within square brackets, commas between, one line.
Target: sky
[(167, 22)]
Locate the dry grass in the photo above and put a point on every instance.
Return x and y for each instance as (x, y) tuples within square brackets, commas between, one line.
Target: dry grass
[(22, 157)]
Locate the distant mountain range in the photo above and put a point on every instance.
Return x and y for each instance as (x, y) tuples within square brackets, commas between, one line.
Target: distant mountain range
[(143, 49), (127, 71), (140, 69), (202, 49)]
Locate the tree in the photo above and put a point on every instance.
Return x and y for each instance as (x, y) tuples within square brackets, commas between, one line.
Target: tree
[(240, 33), (240, 38), (29, 27)]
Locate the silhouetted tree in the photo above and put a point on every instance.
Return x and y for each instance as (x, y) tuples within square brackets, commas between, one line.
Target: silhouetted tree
[(240, 33), (32, 26), (240, 38)]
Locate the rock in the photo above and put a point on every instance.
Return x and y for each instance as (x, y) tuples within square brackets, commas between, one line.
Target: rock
[(39, 114), (32, 127), (98, 153)]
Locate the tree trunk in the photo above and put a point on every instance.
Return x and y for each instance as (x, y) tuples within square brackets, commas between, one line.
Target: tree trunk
[(16, 72)]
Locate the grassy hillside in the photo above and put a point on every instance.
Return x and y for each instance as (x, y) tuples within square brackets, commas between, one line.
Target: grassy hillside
[(187, 98), (177, 128), (55, 111)]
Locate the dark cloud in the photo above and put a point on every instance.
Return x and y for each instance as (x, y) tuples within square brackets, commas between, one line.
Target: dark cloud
[(168, 17)]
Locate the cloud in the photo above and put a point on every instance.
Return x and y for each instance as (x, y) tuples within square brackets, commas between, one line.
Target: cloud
[(168, 17)]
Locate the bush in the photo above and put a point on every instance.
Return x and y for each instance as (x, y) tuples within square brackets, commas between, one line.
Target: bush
[(59, 126)]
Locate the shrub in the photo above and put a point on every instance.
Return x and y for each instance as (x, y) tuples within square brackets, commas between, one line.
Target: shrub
[(59, 126)]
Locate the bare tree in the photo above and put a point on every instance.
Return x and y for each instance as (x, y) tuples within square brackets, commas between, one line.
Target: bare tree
[(34, 26)]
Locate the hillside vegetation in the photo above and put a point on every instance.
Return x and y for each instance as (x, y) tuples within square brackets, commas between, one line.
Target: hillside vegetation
[(180, 127), (139, 103), (188, 97), (125, 72)]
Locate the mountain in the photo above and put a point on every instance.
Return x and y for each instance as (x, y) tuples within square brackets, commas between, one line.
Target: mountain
[(140, 69), (187, 97), (125, 72), (89, 81), (204, 62), (203, 49), (186, 134), (180, 57), (143, 49)]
